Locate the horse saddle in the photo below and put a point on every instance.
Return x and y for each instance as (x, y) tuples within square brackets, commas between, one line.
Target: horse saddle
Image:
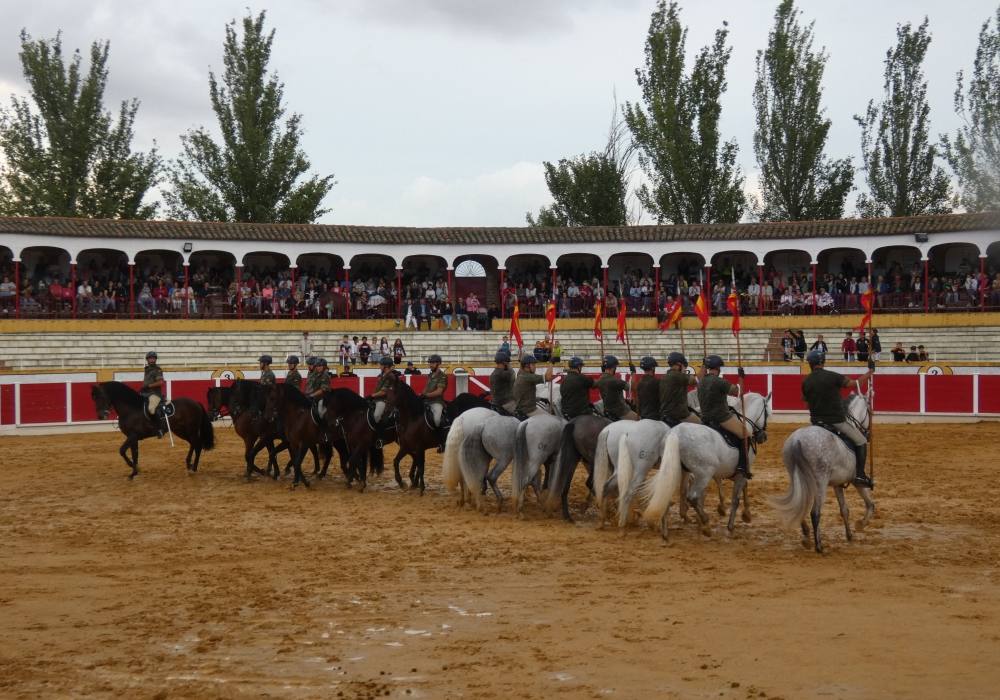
[(497, 408), (843, 438), (317, 412), (727, 436), (429, 417)]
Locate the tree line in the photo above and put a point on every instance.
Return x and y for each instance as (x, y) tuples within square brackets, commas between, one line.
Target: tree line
[(691, 169)]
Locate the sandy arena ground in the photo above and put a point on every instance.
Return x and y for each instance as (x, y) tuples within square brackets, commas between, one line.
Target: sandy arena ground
[(206, 586)]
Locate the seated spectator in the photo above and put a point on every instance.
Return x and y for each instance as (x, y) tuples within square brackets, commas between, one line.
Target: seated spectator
[(922, 355), (824, 302), (898, 353), (7, 291), (848, 347), (820, 345), (913, 356), (410, 369)]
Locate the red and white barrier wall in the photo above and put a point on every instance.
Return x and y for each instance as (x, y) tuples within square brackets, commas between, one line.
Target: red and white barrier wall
[(64, 399)]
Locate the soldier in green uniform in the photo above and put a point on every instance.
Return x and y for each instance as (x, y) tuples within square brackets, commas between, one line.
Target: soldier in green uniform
[(502, 384), (612, 391), (713, 391), (674, 387), (293, 377), (575, 390), (152, 390), (821, 390), (267, 377), (646, 389), (378, 396), (524, 387), (320, 380), (433, 394)]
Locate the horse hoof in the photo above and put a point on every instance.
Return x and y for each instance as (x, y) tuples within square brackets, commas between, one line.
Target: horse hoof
[(746, 517), (806, 544), (850, 537), (860, 525)]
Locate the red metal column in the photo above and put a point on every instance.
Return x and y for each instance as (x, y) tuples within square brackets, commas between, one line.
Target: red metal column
[(927, 291), (131, 289), (656, 291), (814, 288), (760, 283), (604, 276), (291, 298), (451, 291), (187, 287), (347, 290), (239, 294), (982, 282), (503, 297), (399, 292), (72, 277), (552, 286), (17, 288)]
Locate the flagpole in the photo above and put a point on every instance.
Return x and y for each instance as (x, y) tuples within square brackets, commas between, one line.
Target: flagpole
[(704, 333), (628, 353), (871, 391), (739, 379)]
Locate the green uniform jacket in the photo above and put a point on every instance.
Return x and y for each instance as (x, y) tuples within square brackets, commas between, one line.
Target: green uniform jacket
[(150, 375), (575, 393), (383, 382), (320, 380), (821, 390), (674, 395), (436, 380), (502, 386), (524, 391), (612, 388), (648, 396), (267, 378), (712, 393), (294, 378)]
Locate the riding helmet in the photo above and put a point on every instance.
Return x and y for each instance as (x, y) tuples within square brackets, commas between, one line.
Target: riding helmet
[(151, 353), (815, 357), (266, 359), (501, 356), (647, 363), (676, 358), (434, 358), (610, 362), (385, 361), (311, 361), (528, 359), (576, 362), (320, 362), (293, 359), (714, 362)]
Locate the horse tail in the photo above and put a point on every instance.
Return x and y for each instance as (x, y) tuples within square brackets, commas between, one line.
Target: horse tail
[(376, 460), (668, 479), (520, 462), (565, 462), (793, 506), (451, 472), (207, 431), (625, 469), (602, 466)]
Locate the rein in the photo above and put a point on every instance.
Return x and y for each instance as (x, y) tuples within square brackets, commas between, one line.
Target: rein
[(758, 430)]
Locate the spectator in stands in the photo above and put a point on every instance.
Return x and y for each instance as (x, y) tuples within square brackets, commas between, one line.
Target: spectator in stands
[(398, 351), (556, 352), (922, 355), (848, 347), (473, 309), (423, 313), (447, 313), (146, 301), (564, 306), (787, 345), (799, 341), (862, 347), (7, 292), (825, 303), (353, 350), (462, 318), (410, 369), (364, 350), (383, 347), (305, 346), (820, 345), (912, 356), (504, 345), (876, 345), (344, 350), (898, 353)]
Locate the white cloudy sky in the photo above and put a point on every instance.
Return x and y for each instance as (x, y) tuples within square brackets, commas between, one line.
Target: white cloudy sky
[(440, 112)]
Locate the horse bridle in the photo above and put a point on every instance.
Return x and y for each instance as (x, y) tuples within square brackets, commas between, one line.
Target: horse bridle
[(861, 425), (759, 431)]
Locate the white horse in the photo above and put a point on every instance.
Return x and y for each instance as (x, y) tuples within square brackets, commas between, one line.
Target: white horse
[(816, 458), (536, 442), (703, 452), (476, 437), (632, 449)]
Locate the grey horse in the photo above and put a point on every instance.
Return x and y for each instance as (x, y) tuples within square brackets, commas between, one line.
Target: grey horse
[(477, 437), (816, 458)]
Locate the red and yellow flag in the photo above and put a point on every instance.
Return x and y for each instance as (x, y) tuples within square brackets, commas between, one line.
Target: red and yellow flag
[(702, 310), (733, 304), (673, 312), (868, 304), (550, 316), (515, 328), (622, 330), (598, 318)]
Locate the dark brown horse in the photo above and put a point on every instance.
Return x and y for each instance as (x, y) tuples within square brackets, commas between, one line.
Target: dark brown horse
[(189, 422), (414, 435)]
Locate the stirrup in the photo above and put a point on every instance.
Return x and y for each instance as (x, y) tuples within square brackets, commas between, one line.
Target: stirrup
[(379, 444), (864, 480)]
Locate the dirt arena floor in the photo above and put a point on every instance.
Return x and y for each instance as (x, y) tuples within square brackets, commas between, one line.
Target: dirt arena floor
[(207, 586)]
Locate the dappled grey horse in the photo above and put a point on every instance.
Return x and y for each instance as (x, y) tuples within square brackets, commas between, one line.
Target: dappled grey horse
[(476, 437)]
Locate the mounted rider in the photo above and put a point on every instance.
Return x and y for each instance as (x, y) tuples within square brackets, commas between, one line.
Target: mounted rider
[(433, 395), (713, 392), (613, 391), (821, 391), (292, 376), (575, 391), (318, 382), (267, 380), (674, 387), (502, 384), (646, 389), (152, 391), (525, 402), (386, 376)]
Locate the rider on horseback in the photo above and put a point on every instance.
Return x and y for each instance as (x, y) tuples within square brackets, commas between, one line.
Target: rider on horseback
[(318, 382), (575, 391), (674, 387), (292, 376), (502, 384), (715, 411), (821, 390), (612, 391), (646, 389), (152, 390), (387, 376), (267, 380), (524, 387), (433, 394)]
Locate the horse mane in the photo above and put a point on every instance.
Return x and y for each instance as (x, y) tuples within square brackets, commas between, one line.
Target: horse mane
[(116, 391), (245, 389), (408, 397), (349, 400), (293, 394)]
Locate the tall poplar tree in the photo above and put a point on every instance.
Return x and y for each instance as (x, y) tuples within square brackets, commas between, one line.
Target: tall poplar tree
[(64, 154), (254, 174), (974, 154), (693, 173), (903, 177), (797, 181)]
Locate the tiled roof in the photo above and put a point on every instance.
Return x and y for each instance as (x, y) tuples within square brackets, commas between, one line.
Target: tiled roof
[(107, 228)]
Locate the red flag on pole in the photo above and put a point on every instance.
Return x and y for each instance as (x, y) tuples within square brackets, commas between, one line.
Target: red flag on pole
[(733, 304), (673, 312), (622, 309), (550, 316), (701, 308), (598, 317), (515, 328), (868, 304)]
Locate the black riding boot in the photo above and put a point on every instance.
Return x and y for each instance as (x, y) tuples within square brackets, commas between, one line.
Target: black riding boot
[(443, 436), (860, 457), (158, 413), (743, 465)]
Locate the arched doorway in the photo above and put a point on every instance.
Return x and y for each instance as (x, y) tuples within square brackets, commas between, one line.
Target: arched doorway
[(479, 274), (156, 273), (268, 278), (48, 279), (8, 288), (680, 275), (315, 275), (735, 268), (838, 271), (630, 276), (102, 277), (528, 274), (954, 270), (213, 279), (896, 271), (374, 282), (580, 281)]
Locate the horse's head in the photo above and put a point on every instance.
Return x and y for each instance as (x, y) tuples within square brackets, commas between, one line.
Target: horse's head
[(214, 401), (859, 410), (275, 401), (101, 402), (758, 409)]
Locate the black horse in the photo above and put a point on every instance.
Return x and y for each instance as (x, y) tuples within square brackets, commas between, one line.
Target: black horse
[(190, 422), (349, 421), (578, 444)]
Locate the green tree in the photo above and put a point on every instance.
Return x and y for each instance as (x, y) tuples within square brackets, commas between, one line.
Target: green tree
[(693, 174), (591, 189), (974, 154), (65, 155), (253, 174), (797, 181), (903, 177)]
